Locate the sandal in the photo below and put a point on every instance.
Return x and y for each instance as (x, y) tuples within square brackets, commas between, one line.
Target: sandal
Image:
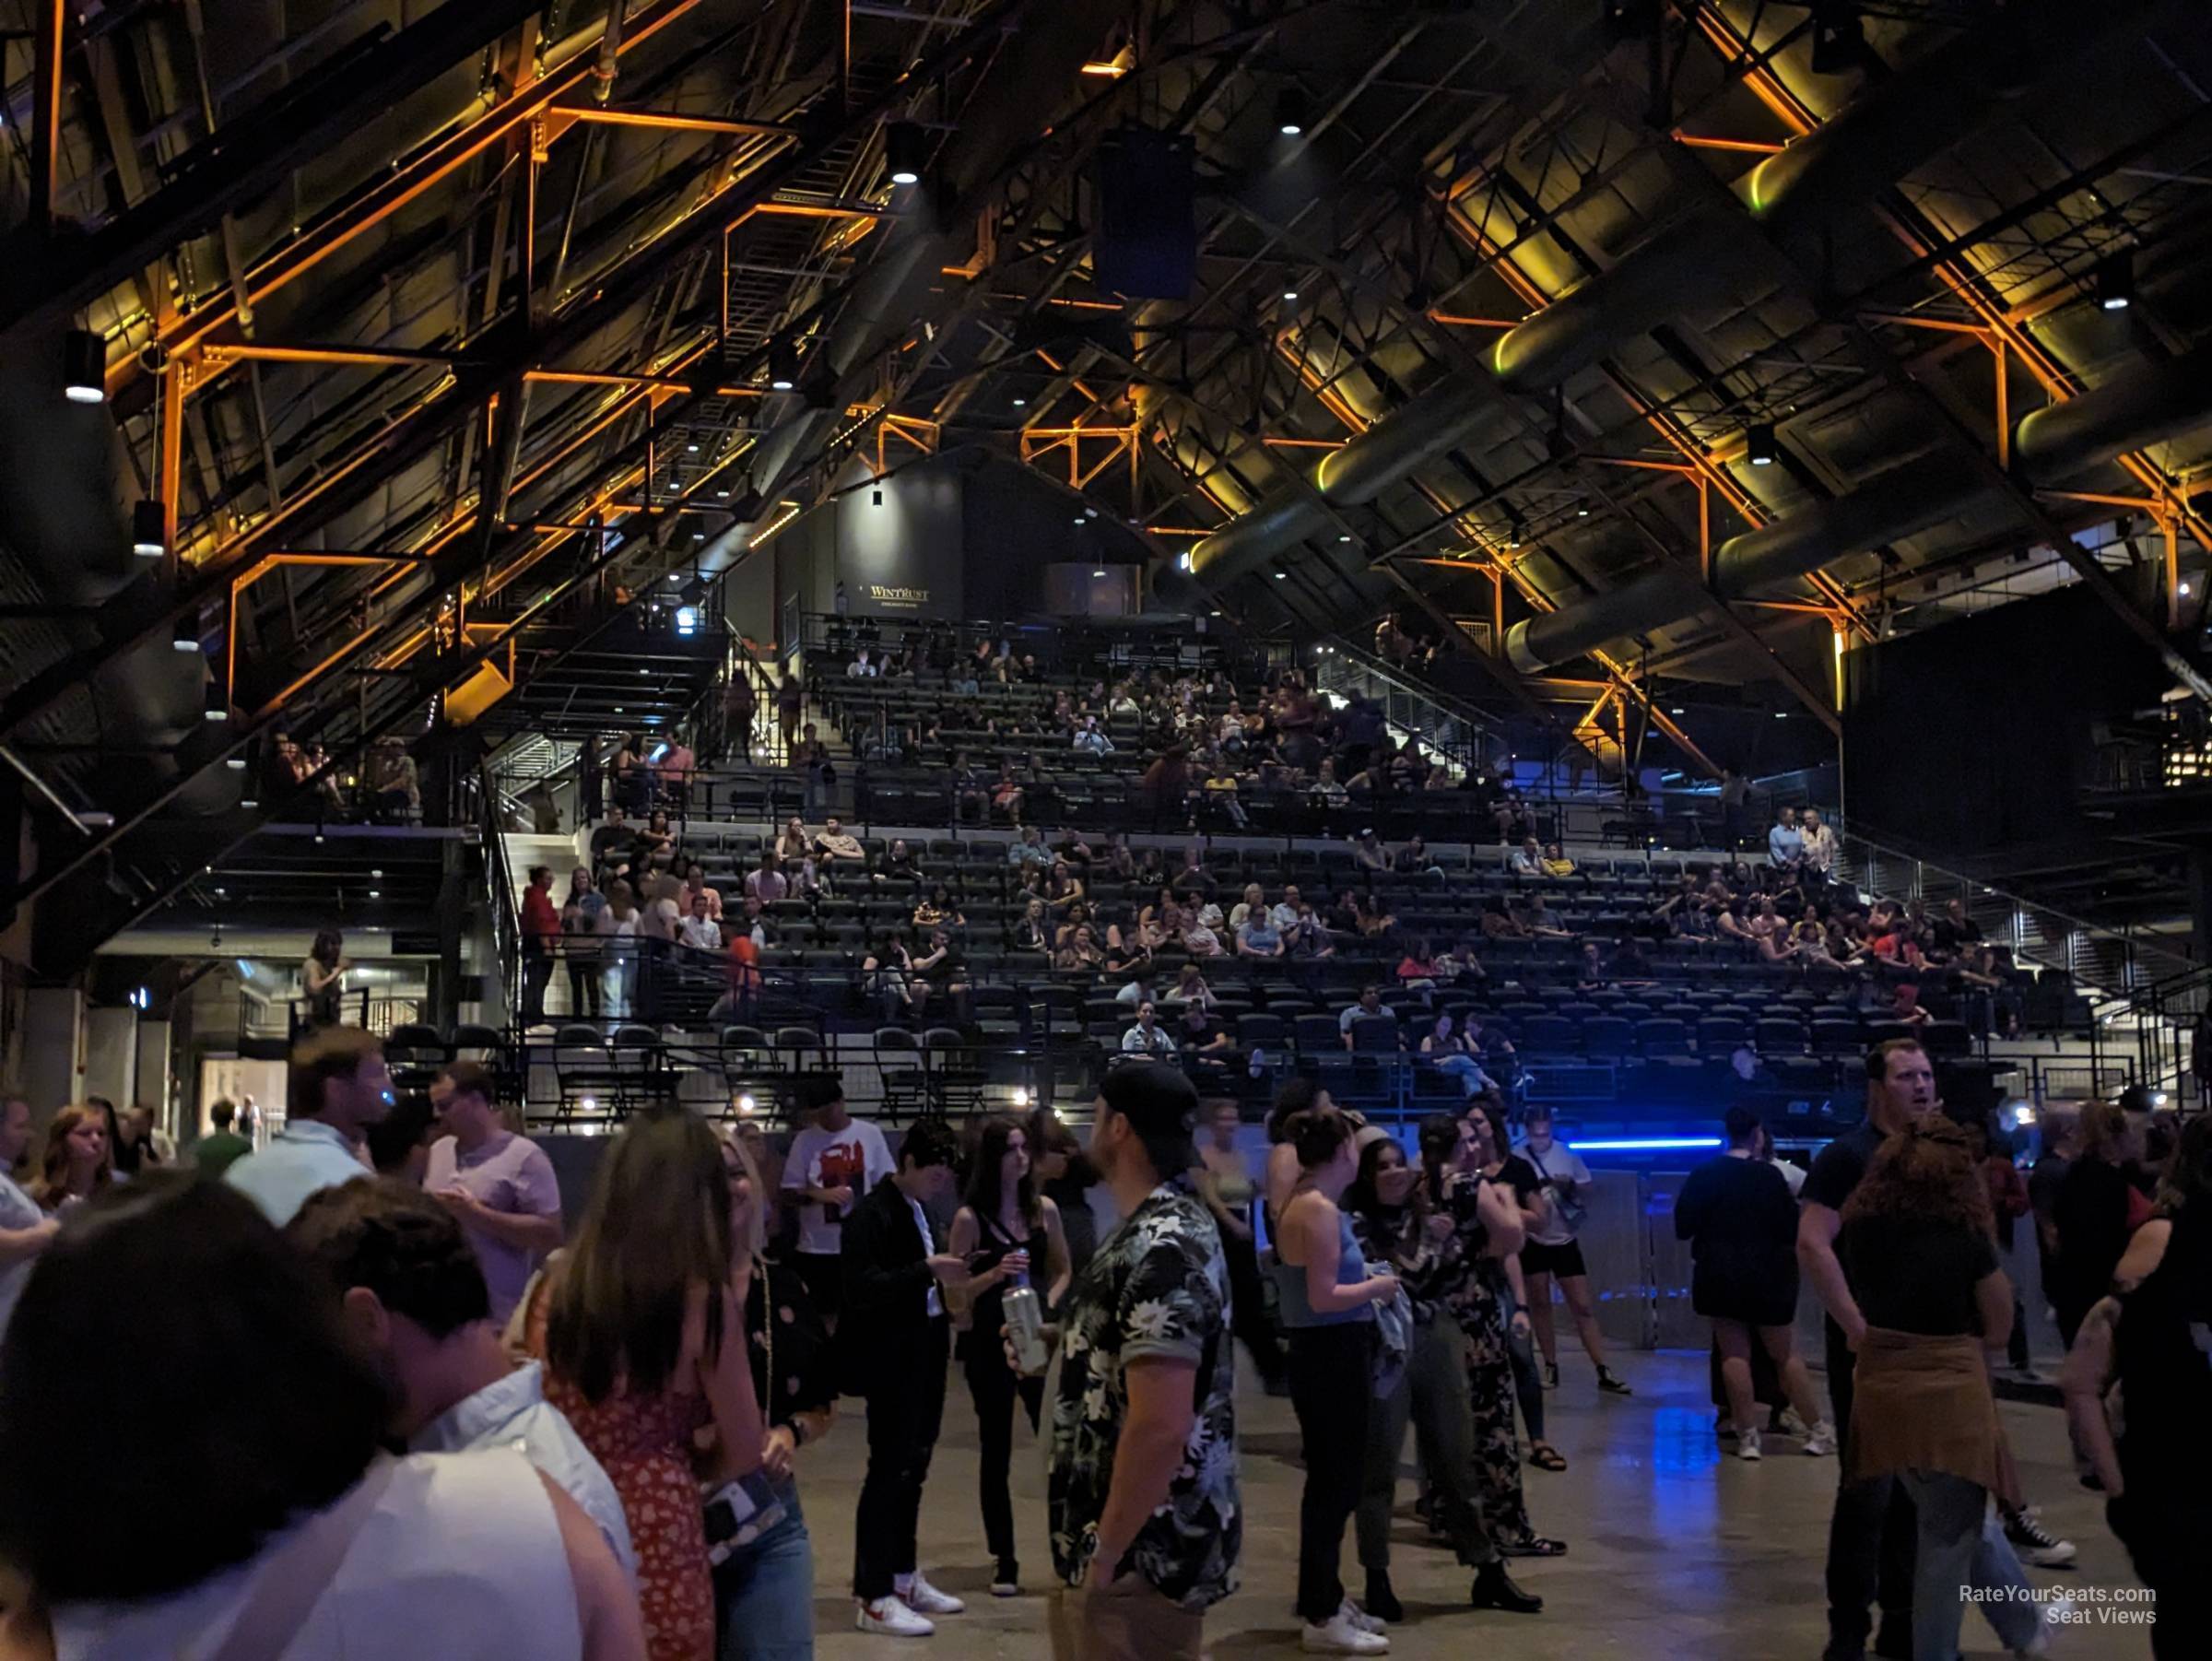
[(1533, 1544), (1546, 1457)]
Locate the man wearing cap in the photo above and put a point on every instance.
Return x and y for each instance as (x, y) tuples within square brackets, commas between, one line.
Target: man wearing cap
[(1141, 1486)]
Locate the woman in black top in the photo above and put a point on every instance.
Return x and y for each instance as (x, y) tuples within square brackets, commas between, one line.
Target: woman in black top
[(2157, 1470), (1002, 1226), (2091, 1214), (1063, 1174), (763, 1589), (1394, 1223), (1742, 1225)]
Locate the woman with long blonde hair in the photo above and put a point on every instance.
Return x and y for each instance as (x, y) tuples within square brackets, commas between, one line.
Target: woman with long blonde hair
[(77, 1162)]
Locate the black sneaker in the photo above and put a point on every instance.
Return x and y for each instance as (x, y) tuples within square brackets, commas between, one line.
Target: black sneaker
[(1006, 1582), (1494, 1589), (1612, 1384), (1551, 1375)]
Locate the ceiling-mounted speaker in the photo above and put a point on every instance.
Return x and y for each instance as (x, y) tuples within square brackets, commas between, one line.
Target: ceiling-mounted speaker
[(1147, 245)]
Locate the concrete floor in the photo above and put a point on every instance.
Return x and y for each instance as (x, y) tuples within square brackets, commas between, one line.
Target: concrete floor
[(1676, 1551)]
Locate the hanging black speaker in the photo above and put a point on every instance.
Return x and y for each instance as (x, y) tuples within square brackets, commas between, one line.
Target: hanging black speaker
[(1147, 245)]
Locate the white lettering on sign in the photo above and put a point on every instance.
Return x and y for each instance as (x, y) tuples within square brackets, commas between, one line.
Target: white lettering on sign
[(898, 597)]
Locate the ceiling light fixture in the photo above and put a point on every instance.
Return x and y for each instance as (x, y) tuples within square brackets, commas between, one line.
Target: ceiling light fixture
[(1280, 575), (84, 367), (1021, 402), (149, 532), (1291, 112), (1290, 296), (876, 496), (2116, 282), (1514, 531), (1582, 510), (217, 706), (186, 637), (235, 764), (1758, 444), (1102, 571), (783, 367), (903, 143), (1838, 38)]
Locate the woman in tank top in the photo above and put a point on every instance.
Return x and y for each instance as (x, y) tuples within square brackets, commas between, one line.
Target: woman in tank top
[(1327, 1305), (1004, 1231)]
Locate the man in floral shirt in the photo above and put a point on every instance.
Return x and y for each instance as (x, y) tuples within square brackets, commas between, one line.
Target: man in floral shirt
[(1142, 1487)]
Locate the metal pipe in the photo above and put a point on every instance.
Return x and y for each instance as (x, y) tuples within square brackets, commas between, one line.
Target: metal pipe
[(1791, 197)]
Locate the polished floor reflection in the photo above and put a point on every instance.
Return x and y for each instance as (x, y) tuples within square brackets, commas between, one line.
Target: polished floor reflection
[(1676, 1551)]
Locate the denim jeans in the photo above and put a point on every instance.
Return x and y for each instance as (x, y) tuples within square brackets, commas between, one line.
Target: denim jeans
[(764, 1594), (1962, 1548)]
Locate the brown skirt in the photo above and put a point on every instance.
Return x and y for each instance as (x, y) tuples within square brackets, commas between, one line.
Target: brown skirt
[(1925, 1404)]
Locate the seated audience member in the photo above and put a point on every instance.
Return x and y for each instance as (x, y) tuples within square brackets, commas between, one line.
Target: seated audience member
[(898, 863), (939, 909), (414, 1302), (1527, 860), (1253, 899), (1036, 930), (1200, 1035), (695, 882), (1306, 938), (698, 930), (1459, 1056), (838, 849), (768, 883), (1147, 1037), (235, 1496), (1555, 863), (1079, 951), (1369, 853), (1200, 940), (1027, 850), (1370, 1007), (1259, 938), (1191, 988), (1416, 969), (1091, 739), (792, 843)]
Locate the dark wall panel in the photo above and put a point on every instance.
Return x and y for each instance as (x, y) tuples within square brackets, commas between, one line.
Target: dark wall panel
[(1975, 736)]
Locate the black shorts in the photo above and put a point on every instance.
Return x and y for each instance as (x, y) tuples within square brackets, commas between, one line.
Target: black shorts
[(1556, 1260), (824, 1277)]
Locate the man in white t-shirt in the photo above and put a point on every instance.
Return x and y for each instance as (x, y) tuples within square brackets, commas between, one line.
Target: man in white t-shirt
[(833, 1161), (1552, 1253)]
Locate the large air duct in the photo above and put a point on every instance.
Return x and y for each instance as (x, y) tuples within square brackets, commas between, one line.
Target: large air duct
[(2126, 413), (1028, 85), (1795, 197)]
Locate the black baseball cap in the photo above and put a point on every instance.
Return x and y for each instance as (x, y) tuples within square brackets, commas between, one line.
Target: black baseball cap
[(1159, 1102)]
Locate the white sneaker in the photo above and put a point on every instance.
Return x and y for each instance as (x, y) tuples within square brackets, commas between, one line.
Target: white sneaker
[(1746, 1445), (1360, 1617), (891, 1619), (2053, 1618), (1341, 1636), (926, 1599), (1822, 1441)]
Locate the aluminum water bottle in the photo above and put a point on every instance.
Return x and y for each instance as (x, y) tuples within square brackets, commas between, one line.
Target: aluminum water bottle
[(1025, 1326)]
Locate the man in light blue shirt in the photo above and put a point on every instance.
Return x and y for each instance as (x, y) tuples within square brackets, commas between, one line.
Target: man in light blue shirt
[(1786, 843), (1028, 848), (413, 1298), (337, 1088), (1090, 740), (25, 1231)]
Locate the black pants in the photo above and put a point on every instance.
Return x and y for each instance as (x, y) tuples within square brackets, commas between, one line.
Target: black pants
[(2164, 1534), (1248, 1318), (583, 988), (993, 1388), (1872, 1536), (1528, 1384), (537, 969), (1332, 1390), (904, 1415)]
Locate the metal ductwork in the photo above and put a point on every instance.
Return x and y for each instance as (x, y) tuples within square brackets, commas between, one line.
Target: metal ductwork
[(60, 497), (2126, 413), (1795, 197), (1029, 84)]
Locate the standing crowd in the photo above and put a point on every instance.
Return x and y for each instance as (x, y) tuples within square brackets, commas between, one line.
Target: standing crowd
[(609, 1420)]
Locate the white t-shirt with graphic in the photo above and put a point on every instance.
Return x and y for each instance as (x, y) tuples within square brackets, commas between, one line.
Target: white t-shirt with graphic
[(856, 1158)]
